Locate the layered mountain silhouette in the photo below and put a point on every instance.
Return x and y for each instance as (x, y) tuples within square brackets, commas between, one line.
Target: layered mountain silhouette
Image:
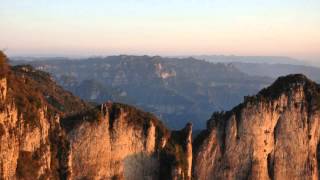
[(48, 133), (176, 90)]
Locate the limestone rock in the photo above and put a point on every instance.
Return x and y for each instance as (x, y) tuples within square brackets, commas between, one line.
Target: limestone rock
[(43, 135), (119, 141), (274, 135)]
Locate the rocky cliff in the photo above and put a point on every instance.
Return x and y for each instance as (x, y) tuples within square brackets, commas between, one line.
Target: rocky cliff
[(273, 135), (24, 129), (47, 133), (118, 141)]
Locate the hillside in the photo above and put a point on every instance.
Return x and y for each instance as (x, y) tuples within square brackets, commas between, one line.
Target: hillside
[(48, 133)]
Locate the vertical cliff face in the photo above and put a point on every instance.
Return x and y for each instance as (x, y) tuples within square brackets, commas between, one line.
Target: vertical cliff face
[(111, 141), (118, 141), (188, 149), (30, 133), (107, 145), (3, 88), (274, 135), (47, 133), (25, 150), (176, 155)]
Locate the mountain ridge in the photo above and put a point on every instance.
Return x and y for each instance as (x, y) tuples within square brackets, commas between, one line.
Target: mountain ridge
[(39, 140), (269, 136), (176, 90)]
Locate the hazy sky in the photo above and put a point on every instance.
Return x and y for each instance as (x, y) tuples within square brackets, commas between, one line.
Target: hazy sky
[(164, 27)]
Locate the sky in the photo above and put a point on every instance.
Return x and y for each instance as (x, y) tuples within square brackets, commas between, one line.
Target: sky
[(161, 27)]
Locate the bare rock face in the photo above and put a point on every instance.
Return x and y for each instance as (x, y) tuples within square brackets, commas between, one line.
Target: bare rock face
[(177, 159), (111, 141), (116, 141), (25, 150), (3, 89), (113, 148), (43, 135), (274, 135)]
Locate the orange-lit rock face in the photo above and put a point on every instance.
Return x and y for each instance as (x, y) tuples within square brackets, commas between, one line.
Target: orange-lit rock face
[(19, 140), (99, 151), (188, 148), (274, 135), (126, 143), (264, 139), (3, 89), (113, 141)]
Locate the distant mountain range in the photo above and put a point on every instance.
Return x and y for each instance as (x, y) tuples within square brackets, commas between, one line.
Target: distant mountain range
[(48, 133), (176, 90), (276, 70), (251, 59)]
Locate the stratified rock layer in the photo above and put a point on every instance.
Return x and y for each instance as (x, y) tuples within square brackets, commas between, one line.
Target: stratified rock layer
[(274, 135)]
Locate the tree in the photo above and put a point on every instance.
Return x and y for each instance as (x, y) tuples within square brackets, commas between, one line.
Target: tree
[(4, 68)]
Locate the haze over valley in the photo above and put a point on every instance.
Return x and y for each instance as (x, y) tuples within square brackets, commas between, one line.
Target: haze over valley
[(177, 90)]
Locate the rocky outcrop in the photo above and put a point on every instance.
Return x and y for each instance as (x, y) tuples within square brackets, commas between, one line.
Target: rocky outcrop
[(25, 151), (110, 141), (47, 133), (3, 89), (121, 142), (274, 135), (26, 128), (113, 148), (176, 161)]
